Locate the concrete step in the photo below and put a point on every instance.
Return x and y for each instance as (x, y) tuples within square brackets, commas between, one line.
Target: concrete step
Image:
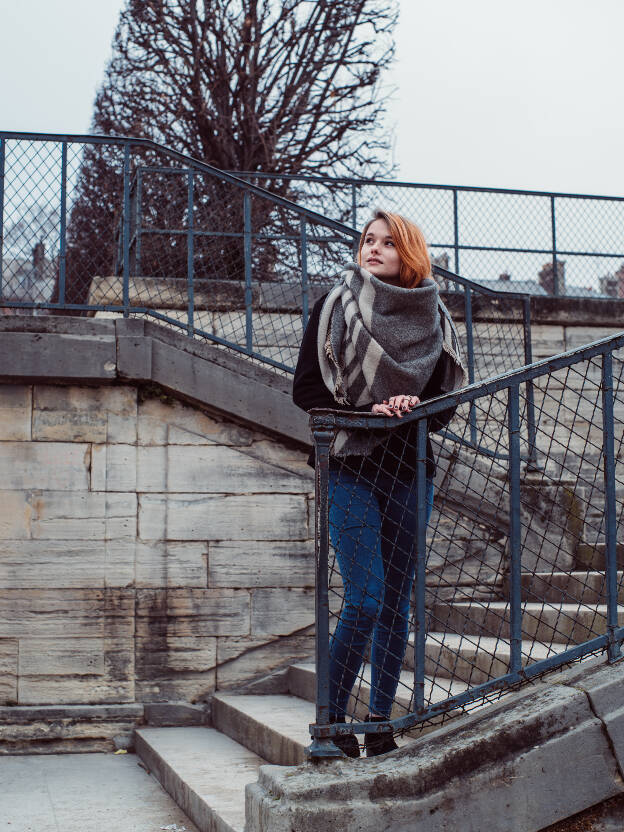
[(204, 771), (302, 683), (582, 587), (560, 623), (273, 726)]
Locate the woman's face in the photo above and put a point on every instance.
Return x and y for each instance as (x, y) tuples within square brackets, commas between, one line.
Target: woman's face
[(378, 254)]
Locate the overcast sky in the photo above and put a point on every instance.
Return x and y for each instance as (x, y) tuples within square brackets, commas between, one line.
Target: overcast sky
[(525, 95)]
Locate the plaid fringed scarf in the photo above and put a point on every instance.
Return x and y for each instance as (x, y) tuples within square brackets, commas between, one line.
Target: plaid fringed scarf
[(376, 340)]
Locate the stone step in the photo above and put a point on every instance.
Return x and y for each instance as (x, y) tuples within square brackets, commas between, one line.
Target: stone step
[(302, 683), (561, 623), (204, 771), (473, 660), (582, 587), (592, 556), (274, 726)]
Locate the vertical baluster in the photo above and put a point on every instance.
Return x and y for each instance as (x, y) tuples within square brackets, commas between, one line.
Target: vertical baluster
[(515, 553), (354, 217), (530, 398), (304, 272), (2, 163), (610, 506), (455, 231), (126, 231), (322, 746), (63, 226), (420, 611), (470, 355), (137, 220), (190, 254), (248, 289), (553, 229)]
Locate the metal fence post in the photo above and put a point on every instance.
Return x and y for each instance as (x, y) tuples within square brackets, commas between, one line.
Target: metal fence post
[(126, 231), (304, 272), (455, 231), (515, 553), (2, 162), (354, 218), (322, 746), (63, 225), (420, 611), (553, 228), (614, 647), (190, 255), (470, 356), (137, 220), (248, 289), (530, 397)]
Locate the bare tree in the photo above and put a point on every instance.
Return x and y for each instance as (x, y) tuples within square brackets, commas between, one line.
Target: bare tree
[(245, 85), (285, 87)]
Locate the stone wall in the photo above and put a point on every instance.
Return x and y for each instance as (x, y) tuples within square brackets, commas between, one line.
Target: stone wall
[(154, 546), (149, 550)]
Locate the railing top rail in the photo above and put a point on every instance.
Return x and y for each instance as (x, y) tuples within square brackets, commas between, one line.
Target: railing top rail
[(346, 180), (478, 287), (326, 418), (185, 159)]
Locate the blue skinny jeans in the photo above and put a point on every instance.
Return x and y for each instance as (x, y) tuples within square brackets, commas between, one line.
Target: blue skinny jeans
[(372, 527)]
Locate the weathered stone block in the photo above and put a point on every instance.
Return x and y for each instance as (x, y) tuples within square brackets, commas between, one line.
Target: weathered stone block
[(76, 670), (223, 517), (211, 468), (176, 668), (61, 657), (84, 414), (261, 563), (15, 412), (15, 515), (281, 611), (171, 564), (87, 516), (113, 468), (269, 329), (60, 466), (578, 336), (547, 340), (241, 660), (53, 613), (192, 612), (8, 670)]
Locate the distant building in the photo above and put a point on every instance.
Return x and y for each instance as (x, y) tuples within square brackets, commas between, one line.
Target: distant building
[(27, 279), (613, 284)]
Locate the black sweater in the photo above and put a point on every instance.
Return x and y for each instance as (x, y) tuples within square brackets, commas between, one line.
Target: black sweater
[(396, 454)]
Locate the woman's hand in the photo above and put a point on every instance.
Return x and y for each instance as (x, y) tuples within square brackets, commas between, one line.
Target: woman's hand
[(395, 406)]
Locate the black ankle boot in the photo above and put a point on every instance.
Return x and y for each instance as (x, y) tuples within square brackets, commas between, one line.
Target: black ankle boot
[(347, 743), (376, 744)]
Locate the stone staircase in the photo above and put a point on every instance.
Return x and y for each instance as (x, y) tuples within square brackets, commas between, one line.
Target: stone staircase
[(206, 769)]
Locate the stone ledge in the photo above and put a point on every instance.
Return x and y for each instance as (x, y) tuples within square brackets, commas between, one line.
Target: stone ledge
[(537, 757), (82, 350)]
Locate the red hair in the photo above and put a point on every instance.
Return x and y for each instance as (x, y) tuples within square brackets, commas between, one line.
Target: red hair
[(411, 247)]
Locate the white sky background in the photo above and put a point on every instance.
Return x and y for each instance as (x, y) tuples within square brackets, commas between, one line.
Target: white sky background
[(488, 92)]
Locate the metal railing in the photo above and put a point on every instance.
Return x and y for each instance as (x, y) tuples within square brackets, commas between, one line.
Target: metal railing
[(541, 242), (122, 226), (516, 571)]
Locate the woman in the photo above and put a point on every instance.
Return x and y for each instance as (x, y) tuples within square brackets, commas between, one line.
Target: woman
[(381, 341)]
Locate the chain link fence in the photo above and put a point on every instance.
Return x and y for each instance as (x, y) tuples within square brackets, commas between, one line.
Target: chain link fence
[(441, 591), (526, 241)]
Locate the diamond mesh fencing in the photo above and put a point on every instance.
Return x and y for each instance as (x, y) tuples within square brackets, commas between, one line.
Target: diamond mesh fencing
[(504, 239), (119, 227), (471, 549)]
